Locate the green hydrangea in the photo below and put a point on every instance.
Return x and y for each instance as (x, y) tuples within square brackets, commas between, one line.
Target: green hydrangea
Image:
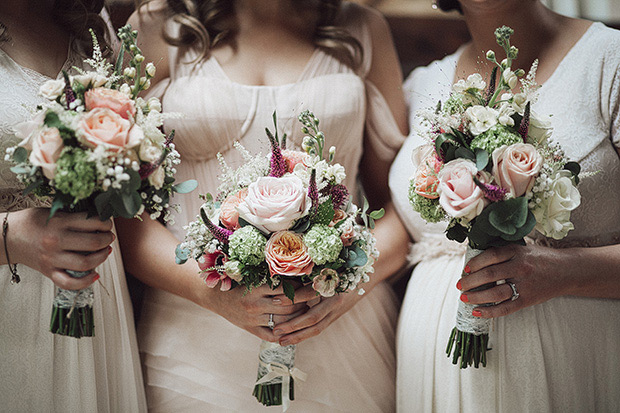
[(75, 174), (324, 244), (429, 209), (247, 245), (454, 104), (495, 137)]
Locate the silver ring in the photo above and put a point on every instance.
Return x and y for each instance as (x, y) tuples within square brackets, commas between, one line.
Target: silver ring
[(515, 293), (271, 323)]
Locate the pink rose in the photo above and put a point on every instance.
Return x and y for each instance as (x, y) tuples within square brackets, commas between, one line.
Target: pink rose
[(212, 266), (46, 148), (459, 195), (273, 204), (293, 158), (228, 212), (102, 126), (515, 167), (114, 100), (286, 254)]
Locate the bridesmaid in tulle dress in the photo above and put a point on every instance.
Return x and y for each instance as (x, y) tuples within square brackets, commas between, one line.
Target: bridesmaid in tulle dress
[(236, 62), (556, 347)]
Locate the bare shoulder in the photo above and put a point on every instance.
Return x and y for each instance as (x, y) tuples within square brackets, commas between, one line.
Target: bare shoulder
[(150, 20), (356, 14)]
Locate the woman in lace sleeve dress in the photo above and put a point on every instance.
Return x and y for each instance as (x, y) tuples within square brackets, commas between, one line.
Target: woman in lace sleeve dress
[(256, 57), (557, 346), (41, 371)]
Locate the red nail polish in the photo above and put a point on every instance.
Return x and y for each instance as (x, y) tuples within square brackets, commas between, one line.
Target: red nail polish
[(476, 313), (467, 270), (464, 298), (109, 250), (96, 277), (458, 286)]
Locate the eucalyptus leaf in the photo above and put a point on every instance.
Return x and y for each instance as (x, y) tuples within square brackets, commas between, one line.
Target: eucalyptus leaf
[(508, 216), (181, 254), (57, 205), (463, 152), (378, 214), (482, 158), (102, 203), (185, 187), (20, 155), (20, 169)]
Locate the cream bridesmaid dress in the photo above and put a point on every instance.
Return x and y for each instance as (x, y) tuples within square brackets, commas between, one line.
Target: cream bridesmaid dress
[(195, 360)]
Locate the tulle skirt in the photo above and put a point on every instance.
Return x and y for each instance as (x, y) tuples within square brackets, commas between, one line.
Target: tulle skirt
[(195, 360)]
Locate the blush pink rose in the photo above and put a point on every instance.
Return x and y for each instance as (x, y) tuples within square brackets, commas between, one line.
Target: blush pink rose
[(212, 267), (46, 148), (459, 195), (286, 254), (515, 167), (103, 127), (114, 100), (293, 158), (228, 211), (273, 204)]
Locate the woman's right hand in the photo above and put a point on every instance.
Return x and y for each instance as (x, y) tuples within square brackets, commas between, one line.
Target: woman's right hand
[(53, 246), (251, 311)]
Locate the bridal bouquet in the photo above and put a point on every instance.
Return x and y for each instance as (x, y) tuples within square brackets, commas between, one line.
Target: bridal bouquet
[(283, 220), (97, 147), (491, 171)]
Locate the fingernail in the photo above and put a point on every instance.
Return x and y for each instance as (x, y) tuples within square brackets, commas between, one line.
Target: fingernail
[(476, 313), (467, 270), (458, 286), (109, 250), (278, 332), (96, 277), (113, 237), (276, 301), (285, 342), (464, 298)]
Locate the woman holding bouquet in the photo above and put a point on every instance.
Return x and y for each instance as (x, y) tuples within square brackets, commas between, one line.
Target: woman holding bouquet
[(555, 338), (231, 66), (41, 371)]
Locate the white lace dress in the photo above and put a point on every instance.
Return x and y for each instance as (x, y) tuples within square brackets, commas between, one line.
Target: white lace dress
[(41, 371), (562, 355)]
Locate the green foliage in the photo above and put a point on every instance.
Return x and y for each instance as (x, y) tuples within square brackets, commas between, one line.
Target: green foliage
[(325, 213), (502, 223)]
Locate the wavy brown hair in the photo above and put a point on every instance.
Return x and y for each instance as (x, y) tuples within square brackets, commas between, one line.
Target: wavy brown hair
[(77, 16), (204, 24)]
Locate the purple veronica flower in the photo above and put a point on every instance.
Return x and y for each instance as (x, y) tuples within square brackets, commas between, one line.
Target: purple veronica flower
[(339, 194)]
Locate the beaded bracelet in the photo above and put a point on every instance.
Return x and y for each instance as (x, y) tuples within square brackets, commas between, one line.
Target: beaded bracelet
[(12, 267)]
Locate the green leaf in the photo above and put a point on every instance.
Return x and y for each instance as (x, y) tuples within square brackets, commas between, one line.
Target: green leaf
[(20, 155), (377, 214), (52, 120), (289, 290), (243, 223), (20, 169), (36, 184), (460, 137), (439, 141), (134, 181), (185, 187), (462, 152), (482, 158), (181, 255), (354, 256), (574, 169), (456, 231), (102, 203), (301, 225), (324, 213), (521, 232), (132, 202), (507, 216), (118, 67)]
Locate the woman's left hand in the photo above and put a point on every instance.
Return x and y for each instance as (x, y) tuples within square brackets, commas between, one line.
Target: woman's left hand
[(323, 312), (533, 270)]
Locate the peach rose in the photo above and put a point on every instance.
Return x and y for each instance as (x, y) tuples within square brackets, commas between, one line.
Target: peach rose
[(273, 204), (459, 195), (286, 254), (102, 126), (515, 167), (293, 158), (426, 177), (347, 230), (46, 148), (114, 100), (228, 211)]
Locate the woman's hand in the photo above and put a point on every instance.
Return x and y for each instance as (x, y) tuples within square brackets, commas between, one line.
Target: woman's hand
[(535, 271), (53, 246), (321, 313), (252, 311)]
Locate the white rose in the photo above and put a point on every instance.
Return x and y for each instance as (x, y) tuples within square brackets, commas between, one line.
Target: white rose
[(473, 82), (157, 177), (519, 101), (149, 151), (510, 78), (505, 115), (540, 130), (26, 130), (482, 118), (52, 89), (553, 214), (91, 78), (273, 204)]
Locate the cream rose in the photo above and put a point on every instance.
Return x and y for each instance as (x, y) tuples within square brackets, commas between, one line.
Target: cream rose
[(91, 78), (553, 214), (228, 211), (52, 89), (286, 254), (103, 127), (149, 151), (515, 167), (481, 118), (326, 282), (157, 177), (540, 129), (273, 204), (46, 148), (459, 195), (114, 100)]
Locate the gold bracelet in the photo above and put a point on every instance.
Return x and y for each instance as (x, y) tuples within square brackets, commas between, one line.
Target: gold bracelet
[(12, 267)]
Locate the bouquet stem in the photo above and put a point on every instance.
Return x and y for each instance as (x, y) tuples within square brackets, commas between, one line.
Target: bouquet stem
[(276, 375), (72, 311), (470, 338)]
